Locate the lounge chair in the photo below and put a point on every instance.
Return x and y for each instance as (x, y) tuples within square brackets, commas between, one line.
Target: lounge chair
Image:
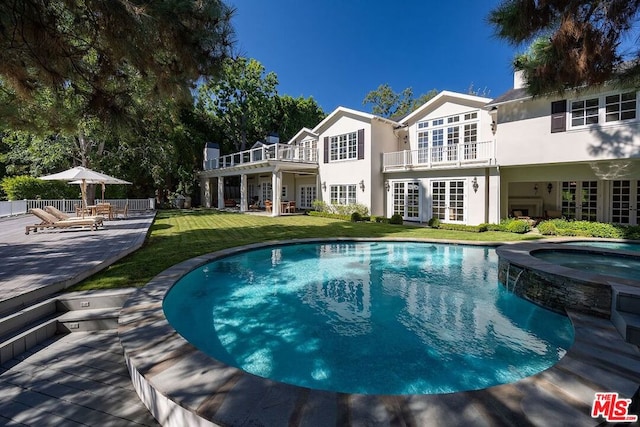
[(50, 221), (63, 216)]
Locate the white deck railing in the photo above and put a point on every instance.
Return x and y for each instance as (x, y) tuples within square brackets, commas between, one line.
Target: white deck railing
[(455, 155), (18, 207), (282, 152)]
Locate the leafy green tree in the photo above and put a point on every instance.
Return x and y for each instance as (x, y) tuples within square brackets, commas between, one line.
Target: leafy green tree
[(93, 48), (570, 43), (241, 101), (292, 114), (387, 103)]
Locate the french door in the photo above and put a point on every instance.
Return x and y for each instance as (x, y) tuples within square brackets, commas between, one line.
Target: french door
[(625, 198), (406, 200), (448, 200), (307, 196), (580, 200)]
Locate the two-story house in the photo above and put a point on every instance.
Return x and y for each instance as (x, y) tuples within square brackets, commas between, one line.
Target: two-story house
[(577, 154), (459, 158)]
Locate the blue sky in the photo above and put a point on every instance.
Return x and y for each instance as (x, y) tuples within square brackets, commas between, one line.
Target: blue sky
[(338, 50)]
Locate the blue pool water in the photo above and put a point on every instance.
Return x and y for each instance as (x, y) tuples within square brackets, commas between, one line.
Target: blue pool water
[(599, 263), (608, 245), (367, 317)]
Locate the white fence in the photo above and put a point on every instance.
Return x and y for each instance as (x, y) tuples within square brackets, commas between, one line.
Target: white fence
[(18, 207)]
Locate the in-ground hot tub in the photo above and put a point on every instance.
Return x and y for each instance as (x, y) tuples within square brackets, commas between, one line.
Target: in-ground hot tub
[(564, 276)]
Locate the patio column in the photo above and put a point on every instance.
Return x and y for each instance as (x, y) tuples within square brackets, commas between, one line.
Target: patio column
[(243, 193), (206, 192), (220, 192), (276, 187)]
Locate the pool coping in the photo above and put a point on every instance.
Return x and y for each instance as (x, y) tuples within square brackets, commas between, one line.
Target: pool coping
[(183, 386)]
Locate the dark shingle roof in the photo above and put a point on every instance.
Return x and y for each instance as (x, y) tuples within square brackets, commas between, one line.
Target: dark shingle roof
[(510, 96)]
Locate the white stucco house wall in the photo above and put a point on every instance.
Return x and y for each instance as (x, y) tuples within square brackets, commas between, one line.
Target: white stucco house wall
[(460, 158), (577, 153)]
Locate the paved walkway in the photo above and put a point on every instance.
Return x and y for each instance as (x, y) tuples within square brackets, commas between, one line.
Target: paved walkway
[(79, 379)]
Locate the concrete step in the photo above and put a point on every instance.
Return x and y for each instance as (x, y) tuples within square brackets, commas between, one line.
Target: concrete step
[(20, 318), (628, 302), (96, 319), (628, 324), (88, 300), (14, 344), (26, 326)]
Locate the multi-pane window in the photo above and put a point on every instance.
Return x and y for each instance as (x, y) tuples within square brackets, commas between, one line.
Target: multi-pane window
[(343, 194), (439, 139), (620, 107), (437, 142), (343, 147), (471, 141), (584, 112), (606, 109)]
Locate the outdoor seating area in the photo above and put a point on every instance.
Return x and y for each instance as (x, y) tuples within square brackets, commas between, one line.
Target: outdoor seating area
[(52, 222)]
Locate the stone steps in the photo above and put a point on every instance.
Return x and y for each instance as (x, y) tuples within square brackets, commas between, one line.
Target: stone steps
[(25, 327), (625, 313)]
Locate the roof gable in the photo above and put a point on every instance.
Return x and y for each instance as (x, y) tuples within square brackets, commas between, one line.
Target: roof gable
[(348, 112), (441, 98)]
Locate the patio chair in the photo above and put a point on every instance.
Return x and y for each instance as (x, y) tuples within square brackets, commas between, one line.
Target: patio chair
[(63, 216), (292, 207), (124, 211), (268, 205), (104, 209), (50, 221)]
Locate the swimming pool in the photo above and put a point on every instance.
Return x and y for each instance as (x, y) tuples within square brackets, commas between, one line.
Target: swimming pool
[(367, 317), (626, 246), (608, 264)]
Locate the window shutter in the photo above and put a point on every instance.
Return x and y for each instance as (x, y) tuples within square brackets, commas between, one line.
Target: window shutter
[(559, 116), (326, 149), (360, 144)]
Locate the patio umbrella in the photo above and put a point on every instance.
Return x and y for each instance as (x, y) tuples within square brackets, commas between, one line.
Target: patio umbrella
[(103, 182), (83, 176)]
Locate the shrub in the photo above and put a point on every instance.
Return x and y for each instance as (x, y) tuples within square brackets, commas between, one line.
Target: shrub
[(463, 227), (434, 222), (380, 219), (319, 205), (547, 228), (28, 187), (356, 217), (513, 225), (396, 219)]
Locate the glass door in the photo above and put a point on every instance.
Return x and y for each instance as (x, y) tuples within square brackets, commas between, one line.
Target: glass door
[(624, 202), (580, 200), (406, 200), (448, 200)]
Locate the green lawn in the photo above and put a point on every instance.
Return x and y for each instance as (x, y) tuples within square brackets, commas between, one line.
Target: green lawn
[(179, 235)]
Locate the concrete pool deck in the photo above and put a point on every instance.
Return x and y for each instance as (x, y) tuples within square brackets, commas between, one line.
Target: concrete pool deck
[(81, 378), (183, 386)]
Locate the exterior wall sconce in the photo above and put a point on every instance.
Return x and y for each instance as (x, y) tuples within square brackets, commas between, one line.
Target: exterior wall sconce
[(324, 185), (549, 187), (535, 188), (386, 185), (362, 184), (474, 184), (494, 119)]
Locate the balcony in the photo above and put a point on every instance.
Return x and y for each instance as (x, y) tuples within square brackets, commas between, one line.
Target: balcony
[(469, 154), (264, 154)]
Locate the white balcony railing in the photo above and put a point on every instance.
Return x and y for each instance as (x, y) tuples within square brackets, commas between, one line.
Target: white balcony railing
[(454, 155), (281, 152)]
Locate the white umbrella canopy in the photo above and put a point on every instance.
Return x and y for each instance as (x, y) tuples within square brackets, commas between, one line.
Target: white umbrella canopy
[(83, 176), (107, 180)]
